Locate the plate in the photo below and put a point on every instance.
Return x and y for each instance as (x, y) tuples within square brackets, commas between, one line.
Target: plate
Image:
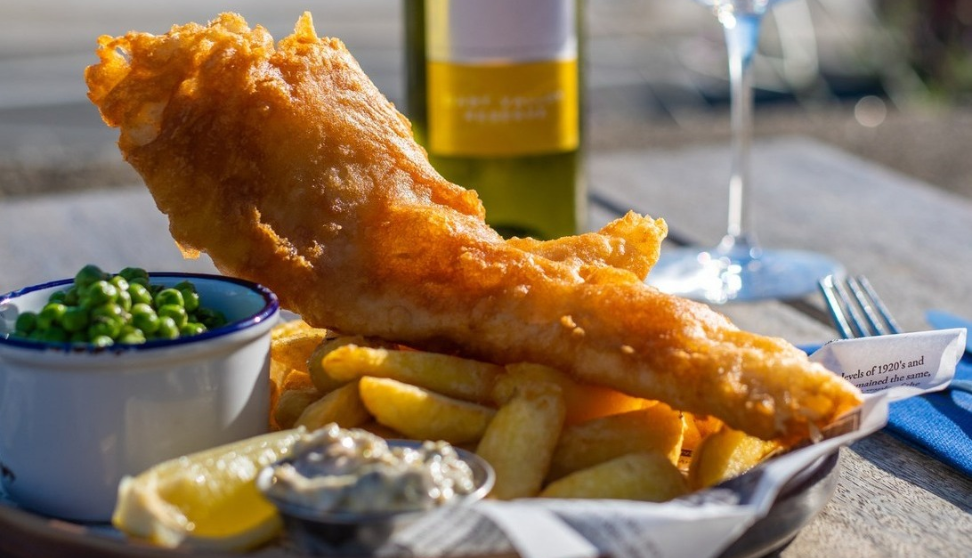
[(27, 535), (799, 501)]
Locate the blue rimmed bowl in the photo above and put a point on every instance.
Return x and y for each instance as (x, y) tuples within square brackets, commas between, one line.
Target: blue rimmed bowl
[(75, 419)]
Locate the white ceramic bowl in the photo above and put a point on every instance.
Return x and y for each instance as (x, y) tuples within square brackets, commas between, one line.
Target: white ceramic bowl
[(75, 420)]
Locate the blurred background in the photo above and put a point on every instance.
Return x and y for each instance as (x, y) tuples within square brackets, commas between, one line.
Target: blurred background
[(889, 80)]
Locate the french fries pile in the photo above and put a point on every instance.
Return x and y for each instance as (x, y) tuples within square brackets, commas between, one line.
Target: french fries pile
[(545, 434)]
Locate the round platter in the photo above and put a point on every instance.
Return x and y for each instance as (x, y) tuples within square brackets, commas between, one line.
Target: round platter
[(27, 535), (799, 501)]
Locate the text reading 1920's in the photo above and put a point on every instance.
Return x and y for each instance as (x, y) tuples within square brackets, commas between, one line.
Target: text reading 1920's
[(892, 373)]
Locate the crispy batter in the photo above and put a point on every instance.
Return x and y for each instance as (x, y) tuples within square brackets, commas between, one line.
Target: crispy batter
[(288, 167), (631, 243)]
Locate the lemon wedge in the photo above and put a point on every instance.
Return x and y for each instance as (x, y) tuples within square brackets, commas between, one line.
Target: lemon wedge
[(206, 500)]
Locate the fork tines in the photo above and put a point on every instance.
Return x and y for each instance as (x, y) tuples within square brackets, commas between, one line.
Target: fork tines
[(856, 308)]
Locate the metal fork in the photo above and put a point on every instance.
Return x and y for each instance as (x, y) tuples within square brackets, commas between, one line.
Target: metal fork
[(856, 309)]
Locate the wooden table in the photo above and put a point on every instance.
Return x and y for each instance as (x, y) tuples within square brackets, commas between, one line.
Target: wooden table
[(909, 238)]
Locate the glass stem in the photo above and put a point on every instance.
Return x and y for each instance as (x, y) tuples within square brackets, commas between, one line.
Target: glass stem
[(742, 37)]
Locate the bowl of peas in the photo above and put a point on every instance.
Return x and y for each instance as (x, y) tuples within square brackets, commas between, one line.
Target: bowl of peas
[(105, 374)]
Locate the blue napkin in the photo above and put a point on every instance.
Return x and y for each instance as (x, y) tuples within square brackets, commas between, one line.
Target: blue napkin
[(939, 424)]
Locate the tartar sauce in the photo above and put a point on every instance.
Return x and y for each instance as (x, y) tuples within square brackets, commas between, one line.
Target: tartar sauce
[(351, 470)]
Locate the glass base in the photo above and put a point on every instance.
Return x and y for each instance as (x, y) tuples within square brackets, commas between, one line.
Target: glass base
[(740, 274)]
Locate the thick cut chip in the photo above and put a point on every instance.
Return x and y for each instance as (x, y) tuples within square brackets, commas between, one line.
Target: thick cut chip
[(584, 401), (278, 373), (657, 429), (726, 454), (288, 328), (422, 414), (457, 377), (637, 476), (297, 379), (697, 428), (295, 349), (343, 406), (520, 441), (291, 404), (315, 367)]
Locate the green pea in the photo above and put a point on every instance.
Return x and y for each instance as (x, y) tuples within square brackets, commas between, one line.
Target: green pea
[(104, 326), (99, 293), (191, 299), (55, 334), (139, 293), (192, 328), (50, 315), (88, 275), (135, 274), (124, 300), (111, 310), (177, 313), (167, 328), (132, 337), (102, 341), (71, 296), (119, 282), (59, 296), (145, 318), (185, 286), (212, 319), (79, 337), (75, 319), (26, 323), (169, 297)]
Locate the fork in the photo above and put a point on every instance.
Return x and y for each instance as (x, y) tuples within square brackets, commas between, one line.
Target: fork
[(858, 311), (855, 307)]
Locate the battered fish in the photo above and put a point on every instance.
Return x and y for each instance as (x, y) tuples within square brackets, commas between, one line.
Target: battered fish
[(288, 167)]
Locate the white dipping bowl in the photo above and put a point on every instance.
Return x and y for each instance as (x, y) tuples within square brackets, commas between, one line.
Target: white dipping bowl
[(75, 419)]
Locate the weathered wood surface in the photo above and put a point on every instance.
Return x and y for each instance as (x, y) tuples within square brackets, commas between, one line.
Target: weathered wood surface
[(52, 237), (910, 239), (891, 501)]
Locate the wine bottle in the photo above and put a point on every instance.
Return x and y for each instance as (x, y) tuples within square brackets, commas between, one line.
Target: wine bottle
[(493, 93)]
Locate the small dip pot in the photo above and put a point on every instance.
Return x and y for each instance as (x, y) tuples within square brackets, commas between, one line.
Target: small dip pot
[(317, 532), (75, 419)]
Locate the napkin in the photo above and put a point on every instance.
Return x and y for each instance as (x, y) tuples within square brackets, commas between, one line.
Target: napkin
[(938, 424)]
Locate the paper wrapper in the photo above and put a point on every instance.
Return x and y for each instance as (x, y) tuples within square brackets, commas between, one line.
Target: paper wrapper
[(887, 368)]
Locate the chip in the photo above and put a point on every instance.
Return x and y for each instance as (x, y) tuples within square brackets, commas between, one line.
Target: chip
[(657, 429), (649, 477), (422, 414), (520, 440)]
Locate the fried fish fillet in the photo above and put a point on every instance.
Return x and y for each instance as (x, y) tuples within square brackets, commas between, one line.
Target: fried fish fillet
[(287, 166)]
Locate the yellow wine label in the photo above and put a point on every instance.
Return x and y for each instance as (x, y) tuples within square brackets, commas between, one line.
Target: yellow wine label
[(503, 109), (502, 77)]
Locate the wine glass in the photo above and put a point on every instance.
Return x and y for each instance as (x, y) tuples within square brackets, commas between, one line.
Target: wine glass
[(738, 268)]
